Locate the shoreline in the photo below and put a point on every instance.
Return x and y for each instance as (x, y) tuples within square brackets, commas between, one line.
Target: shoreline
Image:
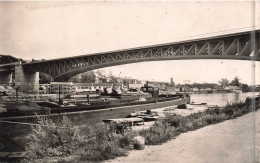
[(17, 128), (160, 133), (227, 141)]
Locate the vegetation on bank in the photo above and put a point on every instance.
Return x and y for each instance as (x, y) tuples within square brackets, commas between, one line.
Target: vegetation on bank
[(103, 142), (86, 143), (173, 125)]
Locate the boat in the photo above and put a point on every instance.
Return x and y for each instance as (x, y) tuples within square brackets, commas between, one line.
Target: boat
[(18, 117), (127, 121), (86, 112), (193, 103), (21, 106)]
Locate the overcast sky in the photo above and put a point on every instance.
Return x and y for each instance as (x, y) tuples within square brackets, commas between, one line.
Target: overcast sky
[(47, 30)]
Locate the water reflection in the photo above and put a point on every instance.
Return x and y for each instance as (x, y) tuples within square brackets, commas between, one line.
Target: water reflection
[(221, 99)]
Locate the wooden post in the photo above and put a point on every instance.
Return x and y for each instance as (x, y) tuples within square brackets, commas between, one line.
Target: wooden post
[(59, 99), (16, 94)]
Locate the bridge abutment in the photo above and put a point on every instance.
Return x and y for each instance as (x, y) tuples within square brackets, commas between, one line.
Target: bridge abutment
[(27, 82), (6, 77)]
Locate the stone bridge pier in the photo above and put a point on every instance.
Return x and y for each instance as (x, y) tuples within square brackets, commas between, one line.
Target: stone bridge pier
[(26, 81)]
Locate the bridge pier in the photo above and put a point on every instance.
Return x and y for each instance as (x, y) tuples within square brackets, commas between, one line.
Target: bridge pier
[(27, 82), (6, 77)]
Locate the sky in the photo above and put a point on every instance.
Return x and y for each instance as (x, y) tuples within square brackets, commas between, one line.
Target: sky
[(48, 30)]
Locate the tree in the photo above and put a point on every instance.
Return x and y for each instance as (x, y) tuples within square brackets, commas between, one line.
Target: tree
[(245, 88), (235, 82), (223, 82), (86, 77), (101, 72), (113, 78), (44, 79)]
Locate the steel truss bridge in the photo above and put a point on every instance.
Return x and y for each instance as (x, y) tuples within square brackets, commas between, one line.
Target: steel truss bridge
[(238, 46)]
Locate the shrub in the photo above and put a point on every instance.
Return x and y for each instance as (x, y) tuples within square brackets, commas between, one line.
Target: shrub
[(50, 139), (198, 123), (91, 143), (215, 110), (104, 143), (101, 142), (100, 152), (228, 110), (185, 126), (105, 147), (173, 120), (157, 134), (127, 139), (196, 115)]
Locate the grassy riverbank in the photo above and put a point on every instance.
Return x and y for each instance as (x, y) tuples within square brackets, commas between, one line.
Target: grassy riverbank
[(101, 142), (174, 125)]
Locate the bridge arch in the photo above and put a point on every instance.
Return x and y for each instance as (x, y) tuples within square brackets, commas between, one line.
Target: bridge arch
[(239, 46), (67, 75)]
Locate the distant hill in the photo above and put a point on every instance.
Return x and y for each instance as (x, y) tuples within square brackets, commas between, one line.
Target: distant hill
[(4, 59)]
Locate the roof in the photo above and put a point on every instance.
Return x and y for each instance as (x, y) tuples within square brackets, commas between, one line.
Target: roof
[(118, 84), (62, 83), (124, 120), (93, 84)]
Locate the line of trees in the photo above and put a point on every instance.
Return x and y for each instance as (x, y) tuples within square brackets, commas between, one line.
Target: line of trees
[(90, 77), (235, 82), (223, 82), (86, 77), (200, 85)]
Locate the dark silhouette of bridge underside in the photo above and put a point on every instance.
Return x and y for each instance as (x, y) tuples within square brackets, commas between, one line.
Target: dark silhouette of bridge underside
[(238, 46)]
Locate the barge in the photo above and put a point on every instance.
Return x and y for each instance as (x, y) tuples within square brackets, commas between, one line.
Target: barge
[(19, 117), (148, 96)]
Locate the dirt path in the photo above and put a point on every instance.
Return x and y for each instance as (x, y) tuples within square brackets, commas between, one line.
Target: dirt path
[(229, 141)]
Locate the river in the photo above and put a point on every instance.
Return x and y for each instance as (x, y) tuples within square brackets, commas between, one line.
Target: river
[(221, 99)]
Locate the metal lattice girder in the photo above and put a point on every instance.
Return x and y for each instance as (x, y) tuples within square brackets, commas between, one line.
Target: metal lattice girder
[(237, 46)]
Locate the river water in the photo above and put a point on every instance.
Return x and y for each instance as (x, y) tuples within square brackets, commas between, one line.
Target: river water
[(221, 99)]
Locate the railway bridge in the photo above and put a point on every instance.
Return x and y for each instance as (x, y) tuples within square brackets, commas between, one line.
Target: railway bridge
[(235, 46)]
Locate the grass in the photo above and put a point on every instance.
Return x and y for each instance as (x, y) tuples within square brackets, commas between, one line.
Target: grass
[(88, 143), (103, 142), (178, 124), (158, 133)]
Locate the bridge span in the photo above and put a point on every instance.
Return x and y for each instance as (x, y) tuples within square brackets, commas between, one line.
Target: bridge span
[(235, 46)]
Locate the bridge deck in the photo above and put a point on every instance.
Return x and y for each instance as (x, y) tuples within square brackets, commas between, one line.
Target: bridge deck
[(235, 46)]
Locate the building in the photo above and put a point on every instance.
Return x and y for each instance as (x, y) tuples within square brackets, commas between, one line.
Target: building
[(62, 87), (195, 89), (257, 88), (184, 89), (104, 79), (92, 87), (134, 84), (172, 82)]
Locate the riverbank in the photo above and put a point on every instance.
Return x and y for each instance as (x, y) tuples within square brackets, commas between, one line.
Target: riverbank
[(101, 143), (228, 141), (21, 125)]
